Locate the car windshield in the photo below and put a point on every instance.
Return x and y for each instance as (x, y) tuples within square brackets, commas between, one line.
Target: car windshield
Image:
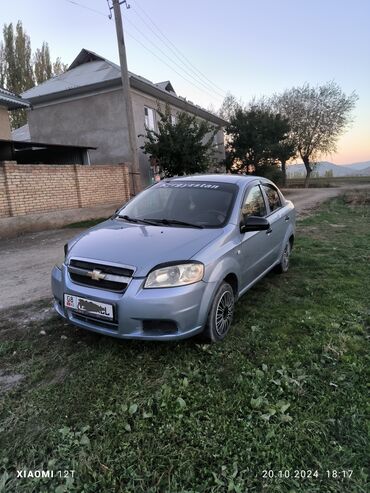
[(183, 204)]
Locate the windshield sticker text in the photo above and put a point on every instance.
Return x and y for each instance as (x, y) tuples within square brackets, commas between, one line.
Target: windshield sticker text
[(190, 185)]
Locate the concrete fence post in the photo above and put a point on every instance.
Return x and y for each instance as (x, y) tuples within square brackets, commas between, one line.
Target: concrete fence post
[(10, 186), (77, 181), (4, 195), (126, 179)]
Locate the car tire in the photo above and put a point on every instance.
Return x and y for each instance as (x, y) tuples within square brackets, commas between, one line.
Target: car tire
[(220, 316), (283, 265)]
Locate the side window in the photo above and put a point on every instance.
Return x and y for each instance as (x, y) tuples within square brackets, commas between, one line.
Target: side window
[(273, 197), (149, 118), (254, 204)]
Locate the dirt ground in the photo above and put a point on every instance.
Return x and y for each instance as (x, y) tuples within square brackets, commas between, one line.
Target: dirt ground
[(26, 261)]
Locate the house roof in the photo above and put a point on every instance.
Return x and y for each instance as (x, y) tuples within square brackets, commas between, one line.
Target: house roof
[(11, 100), (22, 133), (90, 72), (166, 86), (19, 144)]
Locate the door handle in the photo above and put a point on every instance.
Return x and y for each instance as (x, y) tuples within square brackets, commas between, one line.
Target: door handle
[(269, 231), (286, 218)]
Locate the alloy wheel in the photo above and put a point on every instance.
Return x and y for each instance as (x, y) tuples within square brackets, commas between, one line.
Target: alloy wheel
[(224, 313), (285, 259)]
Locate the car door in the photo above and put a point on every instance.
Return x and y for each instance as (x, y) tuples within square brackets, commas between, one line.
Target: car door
[(254, 248), (277, 218)]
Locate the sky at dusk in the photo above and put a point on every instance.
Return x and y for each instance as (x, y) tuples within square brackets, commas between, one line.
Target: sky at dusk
[(209, 47)]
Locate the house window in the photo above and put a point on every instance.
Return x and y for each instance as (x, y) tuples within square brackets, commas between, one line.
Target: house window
[(173, 119), (149, 118)]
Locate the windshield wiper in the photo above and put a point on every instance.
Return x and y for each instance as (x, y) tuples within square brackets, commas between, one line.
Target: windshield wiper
[(175, 221), (135, 220)]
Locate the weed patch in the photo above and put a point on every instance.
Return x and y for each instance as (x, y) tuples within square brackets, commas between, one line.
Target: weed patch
[(86, 224), (286, 391)]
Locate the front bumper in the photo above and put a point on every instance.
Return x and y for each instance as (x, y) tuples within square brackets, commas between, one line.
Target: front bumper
[(185, 307)]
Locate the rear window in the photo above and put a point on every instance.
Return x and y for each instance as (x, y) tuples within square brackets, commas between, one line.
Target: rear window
[(254, 203), (273, 196)]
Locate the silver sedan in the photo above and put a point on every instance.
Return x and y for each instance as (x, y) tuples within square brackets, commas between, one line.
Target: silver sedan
[(172, 262)]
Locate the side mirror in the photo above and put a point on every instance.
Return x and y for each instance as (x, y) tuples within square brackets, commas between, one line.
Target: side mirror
[(253, 223)]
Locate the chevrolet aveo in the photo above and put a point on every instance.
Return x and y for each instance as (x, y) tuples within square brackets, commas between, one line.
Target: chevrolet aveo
[(171, 262)]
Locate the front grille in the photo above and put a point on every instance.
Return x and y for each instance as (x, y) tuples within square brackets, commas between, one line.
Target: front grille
[(110, 277), (108, 269), (109, 285)]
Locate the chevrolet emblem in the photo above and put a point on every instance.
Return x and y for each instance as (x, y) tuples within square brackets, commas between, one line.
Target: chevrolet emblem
[(96, 275)]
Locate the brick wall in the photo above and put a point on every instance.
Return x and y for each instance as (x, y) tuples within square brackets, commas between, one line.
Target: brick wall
[(30, 189), (109, 185)]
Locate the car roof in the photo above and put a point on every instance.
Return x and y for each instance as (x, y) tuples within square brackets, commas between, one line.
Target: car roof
[(220, 177)]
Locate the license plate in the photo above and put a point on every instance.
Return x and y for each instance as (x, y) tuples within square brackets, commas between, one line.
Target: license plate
[(90, 307)]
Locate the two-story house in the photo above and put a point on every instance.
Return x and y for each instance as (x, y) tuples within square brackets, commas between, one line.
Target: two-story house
[(84, 106)]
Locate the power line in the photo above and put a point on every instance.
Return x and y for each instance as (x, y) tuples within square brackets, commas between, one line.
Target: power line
[(200, 80), (194, 84), (86, 7), (174, 50), (174, 70), (206, 86)]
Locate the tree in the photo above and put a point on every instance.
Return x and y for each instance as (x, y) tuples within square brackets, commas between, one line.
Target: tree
[(317, 117), (59, 67), (19, 70), (42, 64), (8, 56), (16, 66), (43, 68), (229, 107), (182, 147), (285, 150), (257, 139), (227, 111), (2, 64), (23, 60)]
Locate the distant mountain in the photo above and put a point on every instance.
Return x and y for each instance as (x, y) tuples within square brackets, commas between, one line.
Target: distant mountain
[(325, 168), (359, 166), (366, 171)]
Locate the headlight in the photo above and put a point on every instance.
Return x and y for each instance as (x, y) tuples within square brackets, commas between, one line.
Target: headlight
[(59, 264), (68, 246), (175, 275)]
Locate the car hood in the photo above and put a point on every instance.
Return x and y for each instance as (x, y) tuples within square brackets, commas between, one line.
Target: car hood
[(141, 246)]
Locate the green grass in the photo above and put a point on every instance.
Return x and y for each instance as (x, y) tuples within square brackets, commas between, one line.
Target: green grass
[(285, 391)]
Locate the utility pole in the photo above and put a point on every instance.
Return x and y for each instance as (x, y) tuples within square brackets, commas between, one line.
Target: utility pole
[(135, 172)]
